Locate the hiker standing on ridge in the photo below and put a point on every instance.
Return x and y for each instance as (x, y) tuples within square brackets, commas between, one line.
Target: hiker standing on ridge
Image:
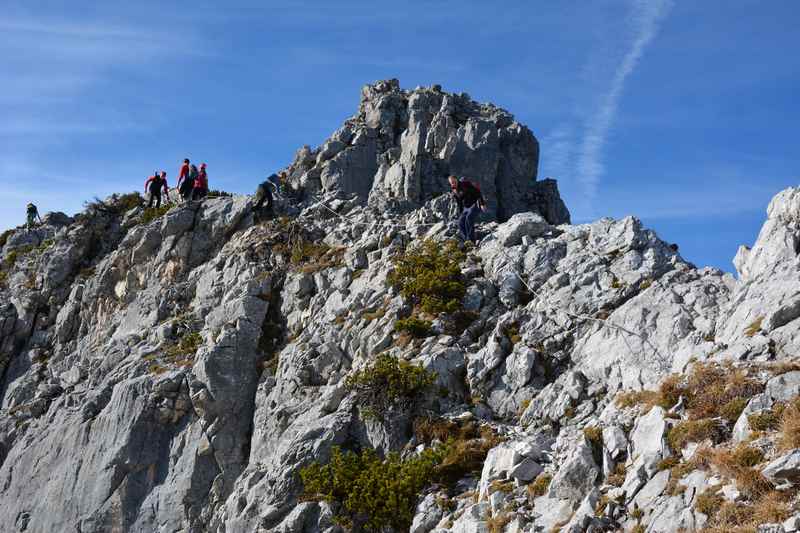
[(185, 182), (33, 214), (470, 203), (154, 185), (200, 182)]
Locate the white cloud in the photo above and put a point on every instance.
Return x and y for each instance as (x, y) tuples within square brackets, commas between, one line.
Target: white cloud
[(646, 15)]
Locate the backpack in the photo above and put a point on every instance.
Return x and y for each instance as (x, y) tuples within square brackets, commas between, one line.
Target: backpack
[(193, 172), (472, 184), (31, 209)]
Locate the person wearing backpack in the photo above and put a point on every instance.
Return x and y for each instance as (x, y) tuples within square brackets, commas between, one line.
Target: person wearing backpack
[(154, 186), (185, 180), (200, 182), (33, 214), (470, 203), (264, 192)]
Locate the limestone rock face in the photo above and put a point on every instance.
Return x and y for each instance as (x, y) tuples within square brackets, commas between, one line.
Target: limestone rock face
[(178, 374), (402, 145)]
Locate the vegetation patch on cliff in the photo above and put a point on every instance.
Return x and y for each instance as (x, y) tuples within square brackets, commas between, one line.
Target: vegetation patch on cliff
[(389, 383), (369, 491), (429, 275)]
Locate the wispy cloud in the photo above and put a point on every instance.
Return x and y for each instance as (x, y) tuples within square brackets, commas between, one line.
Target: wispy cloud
[(557, 148), (645, 18)]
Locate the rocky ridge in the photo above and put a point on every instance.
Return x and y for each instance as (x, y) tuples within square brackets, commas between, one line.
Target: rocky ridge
[(177, 372)]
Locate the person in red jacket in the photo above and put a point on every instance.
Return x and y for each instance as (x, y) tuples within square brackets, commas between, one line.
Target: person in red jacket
[(185, 184), (200, 184), (154, 185)]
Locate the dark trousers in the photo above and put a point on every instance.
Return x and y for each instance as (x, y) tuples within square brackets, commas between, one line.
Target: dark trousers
[(198, 194), (157, 196), (466, 222)]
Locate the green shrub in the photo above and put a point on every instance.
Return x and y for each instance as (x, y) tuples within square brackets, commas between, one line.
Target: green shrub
[(214, 193), (389, 383), (47, 243), (125, 202), (11, 259), (766, 420), (182, 352), (372, 492), (732, 409), (430, 276), (4, 237), (152, 213), (416, 327)]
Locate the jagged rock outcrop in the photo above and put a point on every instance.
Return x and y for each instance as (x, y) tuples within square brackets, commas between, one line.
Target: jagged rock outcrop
[(402, 145), (176, 374)]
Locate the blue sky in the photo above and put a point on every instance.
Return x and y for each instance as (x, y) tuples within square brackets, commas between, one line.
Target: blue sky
[(682, 113)]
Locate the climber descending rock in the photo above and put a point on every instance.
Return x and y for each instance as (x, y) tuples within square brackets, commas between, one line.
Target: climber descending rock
[(470, 203), (264, 192)]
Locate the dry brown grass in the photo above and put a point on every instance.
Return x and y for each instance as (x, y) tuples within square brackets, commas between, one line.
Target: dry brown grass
[(710, 390), (501, 486), (740, 517), (789, 436), (737, 464), (498, 523), (754, 327), (767, 420), (695, 431), (708, 503), (465, 444), (782, 367), (617, 477), (538, 487)]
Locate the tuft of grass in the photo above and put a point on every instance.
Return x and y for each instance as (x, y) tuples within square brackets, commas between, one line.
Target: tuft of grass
[(375, 315), (731, 410), (669, 463), (754, 327), (538, 487), (498, 523), (710, 390), (695, 431), (465, 452), (789, 436), (782, 367), (740, 517), (708, 502), (512, 333), (501, 486), (430, 276), (617, 477)]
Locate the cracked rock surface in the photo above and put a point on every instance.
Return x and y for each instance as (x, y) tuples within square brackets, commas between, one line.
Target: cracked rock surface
[(176, 374)]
